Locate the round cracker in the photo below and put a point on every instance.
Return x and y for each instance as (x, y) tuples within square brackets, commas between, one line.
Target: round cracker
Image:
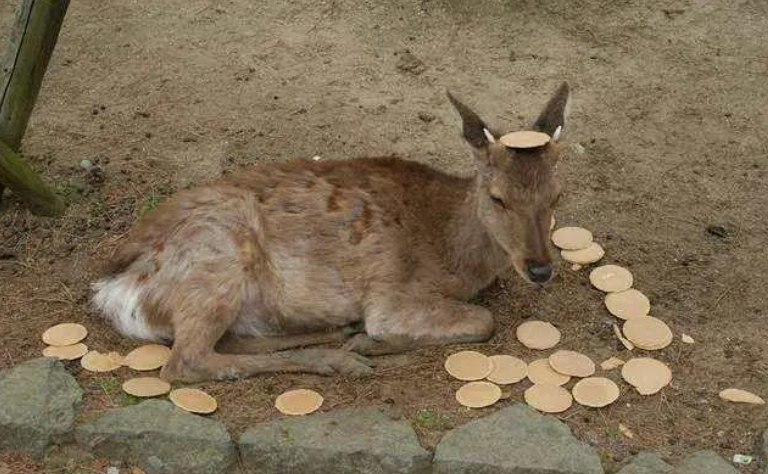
[(648, 333), (538, 335), (548, 398), (572, 238), (595, 392), (525, 139), (540, 372), (73, 352), (572, 363), (478, 394), (647, 375), (144, 387), (117, 357), (628, 304), (148, 357), (95, 361), (737, 395), (507, 369), (65, 334), (298, 402), (468, 365), (611, 278), (193, 400), (593, 253)]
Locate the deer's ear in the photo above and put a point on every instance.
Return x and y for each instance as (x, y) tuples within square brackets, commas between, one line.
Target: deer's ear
[(552, 119), (474, 130)]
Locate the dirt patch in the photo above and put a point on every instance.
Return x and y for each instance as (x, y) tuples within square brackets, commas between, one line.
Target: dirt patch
[(667, 142)]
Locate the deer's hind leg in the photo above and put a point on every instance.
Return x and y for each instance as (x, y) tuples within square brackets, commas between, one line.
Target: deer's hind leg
[(400, 321), (203, 308), (233, 344)]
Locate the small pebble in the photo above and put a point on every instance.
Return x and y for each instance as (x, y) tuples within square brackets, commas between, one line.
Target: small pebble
[(86, 164)]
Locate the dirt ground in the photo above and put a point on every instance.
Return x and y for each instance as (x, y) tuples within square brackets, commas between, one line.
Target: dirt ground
[(667, 164)]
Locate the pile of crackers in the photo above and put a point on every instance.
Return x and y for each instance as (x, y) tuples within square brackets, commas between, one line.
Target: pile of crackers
[(647, 375)]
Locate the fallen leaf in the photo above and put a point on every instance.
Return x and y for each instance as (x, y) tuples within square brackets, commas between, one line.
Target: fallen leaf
[(626, 431)]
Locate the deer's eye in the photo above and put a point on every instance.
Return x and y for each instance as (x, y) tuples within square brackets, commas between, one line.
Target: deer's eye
[(497, 200)]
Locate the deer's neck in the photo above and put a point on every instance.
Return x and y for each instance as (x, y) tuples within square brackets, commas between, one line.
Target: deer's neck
[(474, 256)]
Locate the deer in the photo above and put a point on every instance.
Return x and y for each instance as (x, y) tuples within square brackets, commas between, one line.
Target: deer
[(247, 275)]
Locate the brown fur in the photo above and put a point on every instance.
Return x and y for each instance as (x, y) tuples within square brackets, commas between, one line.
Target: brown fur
[(291, 253)]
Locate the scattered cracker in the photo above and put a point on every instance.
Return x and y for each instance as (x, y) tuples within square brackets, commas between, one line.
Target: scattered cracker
[(572, 238), (298, 402), (612, 363), (65, 334), (626, 431), (144, 387), (524, 139), (647, 375), (538, 335), (540, 372), (595, 392), (576, 267), (507, 369), (737, 395), (548, 398), (611, 278), (95, 361), (572, 363), (552, 223), (627, 345), (648, 333), (73, 352), (478, 394), (593, 253), (148, 357), (193, 400), (468, 365), (687, 339), (628, 304)]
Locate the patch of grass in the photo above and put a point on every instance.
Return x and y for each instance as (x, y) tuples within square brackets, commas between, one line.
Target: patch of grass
[(69, 192), (112, 388), (149, 204), (431, 420), (606, 459)]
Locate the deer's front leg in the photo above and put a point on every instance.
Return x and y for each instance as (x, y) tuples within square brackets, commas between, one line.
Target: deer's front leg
[(400, 323)]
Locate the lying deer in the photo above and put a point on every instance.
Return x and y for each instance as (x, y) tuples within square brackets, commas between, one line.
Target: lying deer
[(289, 255)]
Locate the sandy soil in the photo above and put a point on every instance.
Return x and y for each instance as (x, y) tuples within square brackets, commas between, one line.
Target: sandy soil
[(667, 165)]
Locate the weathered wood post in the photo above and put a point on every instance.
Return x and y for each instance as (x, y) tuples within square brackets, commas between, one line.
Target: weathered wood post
[(33, 39)]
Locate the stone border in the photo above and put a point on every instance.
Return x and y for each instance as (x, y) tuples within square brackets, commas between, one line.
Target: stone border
[(40, 400)]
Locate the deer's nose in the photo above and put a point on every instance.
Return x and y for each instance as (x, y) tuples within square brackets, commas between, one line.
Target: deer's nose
[(538, 272)]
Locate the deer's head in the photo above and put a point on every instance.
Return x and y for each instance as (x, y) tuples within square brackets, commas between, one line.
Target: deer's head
[(516, 189)]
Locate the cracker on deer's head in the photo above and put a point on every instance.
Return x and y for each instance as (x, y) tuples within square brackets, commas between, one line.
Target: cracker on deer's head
[(516, 188)]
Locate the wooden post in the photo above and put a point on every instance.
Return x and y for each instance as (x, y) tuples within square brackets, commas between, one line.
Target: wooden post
[(19, 177), (34, 36)]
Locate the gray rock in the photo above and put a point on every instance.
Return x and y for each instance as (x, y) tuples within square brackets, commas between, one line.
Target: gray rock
[(38, 400), (647, 463), (352, 441), (707, 462), (515, 440), (160, 438)]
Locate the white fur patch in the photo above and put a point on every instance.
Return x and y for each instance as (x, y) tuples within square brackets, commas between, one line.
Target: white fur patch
[(556, 135), (119, 300), (489, 136)]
